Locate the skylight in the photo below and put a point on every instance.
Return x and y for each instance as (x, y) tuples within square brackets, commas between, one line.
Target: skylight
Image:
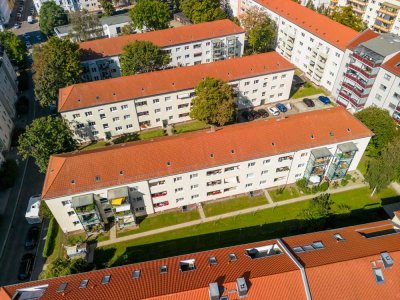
[(135, 274), (187, 265), (318, 245), (83, 284), (263, 251), (308, 248), (338, 237), (62, 287), (212, 260), (232, 257), (298, 249), (106, 279), (378, 275), (163, 269)]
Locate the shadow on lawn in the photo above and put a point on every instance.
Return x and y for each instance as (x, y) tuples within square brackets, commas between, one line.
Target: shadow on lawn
[(261, 232)]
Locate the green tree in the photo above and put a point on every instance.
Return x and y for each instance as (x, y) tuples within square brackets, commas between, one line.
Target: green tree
[(318, 212), (252, 17), (62, 267), (127, 29), (85, 26), (108, 7), (262, 37), (344, 15), (44, 137), (381, 124), (141, 57), (51, 15), (199, 11), (214, 103), (44, 210), (53, 70), (13, 46), (310, 5), (150, 15)]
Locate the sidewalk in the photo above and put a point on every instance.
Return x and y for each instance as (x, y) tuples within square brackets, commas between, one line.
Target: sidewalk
[(227, 215)]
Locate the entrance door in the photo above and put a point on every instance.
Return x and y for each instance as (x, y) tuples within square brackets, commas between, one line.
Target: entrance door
[(165, 123)]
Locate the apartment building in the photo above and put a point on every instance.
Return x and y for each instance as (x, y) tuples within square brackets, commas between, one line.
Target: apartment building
[(107, 108), (355, 262), (8, 97), (369, 74), (311, 41), (75, 5), (187, 45), (6, 8), (84, 189), (111, 25), (382, 16)]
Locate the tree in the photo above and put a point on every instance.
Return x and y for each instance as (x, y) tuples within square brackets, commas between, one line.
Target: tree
[(318, 212), (199, 11), (62, 267), (127, 29), (44, 137), (150, 15), (51, 15), (310, 5), (56, 64), (108, 7), (13, 46), (214, 103), (381, 124), (44, 211), (344, 15), (252, 17), (262, 36), (142, 56), (85, 26)]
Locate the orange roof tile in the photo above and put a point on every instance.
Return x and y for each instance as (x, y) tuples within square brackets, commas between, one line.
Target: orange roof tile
[(277, 275), (189, 152), (362, 37), (173, 36), (155, 83), (321, 26), (393, 65)]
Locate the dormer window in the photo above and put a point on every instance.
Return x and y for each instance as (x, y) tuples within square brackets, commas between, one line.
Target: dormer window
[(232, 257), (187, 265), (212, 260), (163, 269)]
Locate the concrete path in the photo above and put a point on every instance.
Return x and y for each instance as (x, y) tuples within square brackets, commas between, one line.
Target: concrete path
[(113, 232), (396, 187), (227, 215), (268, 196), (201, 211)]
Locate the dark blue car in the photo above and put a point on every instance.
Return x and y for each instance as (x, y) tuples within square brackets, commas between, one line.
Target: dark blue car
[(281, 107), (324, 99)]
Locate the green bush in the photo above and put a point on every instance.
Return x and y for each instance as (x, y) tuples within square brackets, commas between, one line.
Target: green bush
[(344, 182), (324, 186), (302, 183), (335, 184), (50, 238), (307, 85), (75, 239), (8, 174), (129, 137)]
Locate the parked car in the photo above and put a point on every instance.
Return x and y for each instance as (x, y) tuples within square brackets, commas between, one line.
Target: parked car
[(21, 8), (25, 266), (324, 99), (30, 19), (273, 111), (281, 107), (17, 25), (308, 102), (28, 44), (19, 15), (32, 238), (263, 113), (247, 115), (39, 38), (256, 114)]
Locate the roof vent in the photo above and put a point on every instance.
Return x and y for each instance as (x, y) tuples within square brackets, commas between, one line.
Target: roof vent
[(79, 100), (348, 129), (173, 83), (114, 94), (212, 155), (168, 163), (187, 265), (97, 178), (273, 144), (73, 181), (163, 269), (312, 136), (121, 172), (232, 151), (135, 274), (232, 257), (106, 279), (83, 284), (212, 260), (97, 97), (241, 285), (387, 260), (331, 133)]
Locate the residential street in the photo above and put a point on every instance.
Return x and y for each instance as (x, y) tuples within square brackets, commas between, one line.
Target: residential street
[(13, 226)]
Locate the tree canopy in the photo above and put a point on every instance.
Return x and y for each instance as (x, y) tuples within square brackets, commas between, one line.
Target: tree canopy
[(51, 15), (345, 15), (108, 7), (214, 103), (44, 137), (53, 70), (199, 11), (142, 56), (13, 46), (252, 17), (318, 212), (262, 36), (381, 124), (150, 15), (85, 26), (62, 267)]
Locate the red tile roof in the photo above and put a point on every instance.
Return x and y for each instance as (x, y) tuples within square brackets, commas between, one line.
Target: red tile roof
[(167, 81), (362, 37), (393, 65), (163, 38), (321, 26), (343, 271), (189, 152)]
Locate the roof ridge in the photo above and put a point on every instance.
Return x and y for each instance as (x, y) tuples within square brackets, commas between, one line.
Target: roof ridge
[(46, 187), (68, 89)]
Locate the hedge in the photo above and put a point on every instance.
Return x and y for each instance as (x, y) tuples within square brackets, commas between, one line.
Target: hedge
[(50, 238)]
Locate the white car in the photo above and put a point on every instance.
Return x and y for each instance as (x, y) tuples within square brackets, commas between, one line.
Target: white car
[(273, 111)]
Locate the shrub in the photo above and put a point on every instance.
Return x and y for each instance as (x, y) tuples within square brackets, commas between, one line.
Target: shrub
[(22, 105), (335, 184), (302, 183), (8, 174), (75, 239), (324, 186), (307, 85), (280, 191), (129, 137), (50, 238), (344, 182)]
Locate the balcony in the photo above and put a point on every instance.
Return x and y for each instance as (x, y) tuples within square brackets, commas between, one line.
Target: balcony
[(351, 100), (87, 209), (381, 28), (359, 2), (363, 72), (360, 82), (369, 61), (390, 11), (359, 94), (383, 20), (344, 156)]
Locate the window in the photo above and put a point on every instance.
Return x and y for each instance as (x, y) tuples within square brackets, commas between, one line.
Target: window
[(129, 126), (212, 261), (179, 178), (338, 237), (248, 185), (194, 175), (106, 279), (157, 110), (70, 213), (275, 78), (141, 103), (179, 190), (115, 119), (124, 107), (246, 83), (251, 164), (195, 196), (194, 187), (304, 154), (378, 97), (119, 128), (387, 76), (196, 46), (283, 76), (232, 257), (178, 49), (337, 54), (88, 113), (163, 269), (378, 275), (102, 116), (167, 98), (114, 108), (65, 202), (250, 175), (76, 116), (156, 101), (282, 169), (179, 199), (266, 161), (126, 117), (279, 178), (264, 172), (83, 284), (168, 108), (283, 158), (300, 165), (297, 175), (105, 126), (135, 274), (382, 87), (254, 91), (186, 47), (75, 223), (255, 81)]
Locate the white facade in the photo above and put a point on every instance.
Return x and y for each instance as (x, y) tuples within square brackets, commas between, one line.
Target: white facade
[(206, 184), (74, 5), (184, 54), (6, 8), (162, 108)]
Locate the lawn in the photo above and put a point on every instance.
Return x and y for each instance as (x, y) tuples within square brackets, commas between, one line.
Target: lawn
[(221, 207), (58, 249), (191, 126), (92, 146), (288, 192), (362, 165), (151, 134), (163, 220), (307, 90), (349, 208)]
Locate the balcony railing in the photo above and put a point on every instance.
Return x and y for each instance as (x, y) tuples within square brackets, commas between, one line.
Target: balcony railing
[(381, 28), (358, 81), (388, 11), (383, 20), (369, 62), (360, 94), (363, 72), (351, 100)]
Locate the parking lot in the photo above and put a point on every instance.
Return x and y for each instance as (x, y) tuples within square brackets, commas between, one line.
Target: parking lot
[(294, 106)]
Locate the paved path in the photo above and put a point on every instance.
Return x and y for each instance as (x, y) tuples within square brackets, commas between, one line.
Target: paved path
[(268, 196), (201, 212), (396, 187), (227, 215)]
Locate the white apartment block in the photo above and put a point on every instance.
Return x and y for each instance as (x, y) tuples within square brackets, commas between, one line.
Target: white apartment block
[(187, 45), (111, 26), (382, 16), (86, 189), (6, 8), (107, 108), (8, 97), (369, 74), (311, 41), (75, 5)]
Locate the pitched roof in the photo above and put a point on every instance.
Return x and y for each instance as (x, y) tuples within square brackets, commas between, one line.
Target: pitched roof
[(321, 26), (191, 151), (163, 38), (393, 65), (154, 83), (362, 37)]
